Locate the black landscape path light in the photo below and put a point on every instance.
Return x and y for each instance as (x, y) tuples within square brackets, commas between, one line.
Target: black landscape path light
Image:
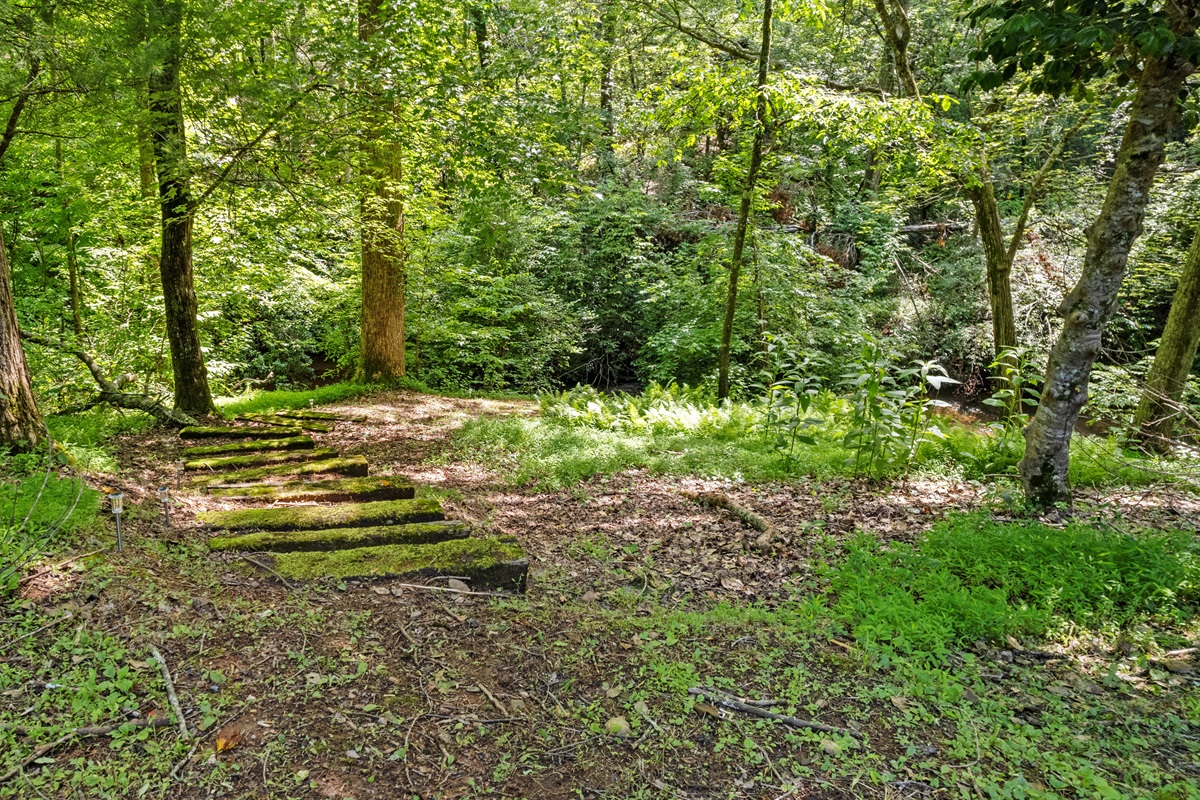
[(117, 500)]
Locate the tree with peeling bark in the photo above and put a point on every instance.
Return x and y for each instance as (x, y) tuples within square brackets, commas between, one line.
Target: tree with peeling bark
[(1160, 407), (1155, 46)]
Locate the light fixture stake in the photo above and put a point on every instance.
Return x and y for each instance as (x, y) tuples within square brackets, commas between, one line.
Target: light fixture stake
[(117, 499)]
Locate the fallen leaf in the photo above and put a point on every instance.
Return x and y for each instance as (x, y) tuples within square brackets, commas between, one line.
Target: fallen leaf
[(831, 747), (455, 583), (899, 702), (613, 692), (228, 738), (1061, 691), (705, 708), (732, 584)]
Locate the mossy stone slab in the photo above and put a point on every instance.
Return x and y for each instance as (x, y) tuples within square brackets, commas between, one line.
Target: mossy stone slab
[(349, 515), (342, 538), (488, 563), (328, 416), (218, 463), (230, 432), (290, 443), (339, 490), (287, 422), (349, 466)]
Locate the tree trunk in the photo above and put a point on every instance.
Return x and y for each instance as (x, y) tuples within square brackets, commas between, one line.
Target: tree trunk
[(1087, 309), (1156, 413), (894, 16), (192, 395), (21, 426), (479, 24), (146, 177), (999, 265), (382, 208), (72, 255), (739, 239), (608, 36)]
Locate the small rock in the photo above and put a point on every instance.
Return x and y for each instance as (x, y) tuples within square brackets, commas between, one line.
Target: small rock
[(455, 583), (352, 754), (619, 727), (589, 596)]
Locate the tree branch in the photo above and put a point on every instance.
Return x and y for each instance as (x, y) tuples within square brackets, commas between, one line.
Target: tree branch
[(10, 129), (110, 392), (1038, 182)]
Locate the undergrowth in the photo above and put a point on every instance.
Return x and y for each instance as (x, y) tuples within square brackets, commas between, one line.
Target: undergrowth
[(256, 402), (972, 577), (684, 431)]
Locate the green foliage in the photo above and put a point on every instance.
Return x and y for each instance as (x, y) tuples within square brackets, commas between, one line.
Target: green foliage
[(972, 577), (257, 402), (39, 510)]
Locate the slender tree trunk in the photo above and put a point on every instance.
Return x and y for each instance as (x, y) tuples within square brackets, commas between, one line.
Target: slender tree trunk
[(1087, 309), (192, 395), (739, 239), (383, 255), (893, 14), (608, 35), (1156, 413), (146, 177), (479, 24), (999, 265), (21, 426), (72, 255)]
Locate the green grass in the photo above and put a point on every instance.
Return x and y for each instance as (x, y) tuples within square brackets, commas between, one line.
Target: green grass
[(972, 577), (39, 513), (256, 402)]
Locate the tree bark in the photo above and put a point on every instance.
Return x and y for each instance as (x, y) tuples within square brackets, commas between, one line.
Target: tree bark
[(739, 239), (1086, 310), (1157, 412), (168, 134), (999, 265), (382, 207), (21, 425), (608, 37), (894, 16)]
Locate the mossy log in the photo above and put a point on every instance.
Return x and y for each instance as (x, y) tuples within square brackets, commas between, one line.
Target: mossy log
[(350, 466), (341, 490), (322, 415), (356, 515), (487, 563), (286, 422), (229, 432), (219, 463), (342, 538), (290, 443)]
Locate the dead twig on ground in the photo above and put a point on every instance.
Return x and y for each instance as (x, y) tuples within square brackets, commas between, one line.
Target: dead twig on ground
[(722, 500), (452, 591), (263, 566), (172, 698), (34, 575), (726, 701), (90, 730)]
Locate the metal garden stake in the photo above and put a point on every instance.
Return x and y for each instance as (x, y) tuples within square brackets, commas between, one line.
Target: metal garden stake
[(164, 497), (117, 499)]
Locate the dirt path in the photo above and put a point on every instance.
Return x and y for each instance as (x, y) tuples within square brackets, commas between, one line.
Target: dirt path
[(367, 689)]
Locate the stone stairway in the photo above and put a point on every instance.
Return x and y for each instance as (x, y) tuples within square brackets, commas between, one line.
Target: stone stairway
[(315, 514)]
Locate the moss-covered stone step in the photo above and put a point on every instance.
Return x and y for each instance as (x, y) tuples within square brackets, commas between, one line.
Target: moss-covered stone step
[(342, 538), (287, 422), (351, 515), (339, 490), (254, 445), (349, 466), (230, 432), (218, 463), (322, 415), (487, 563)]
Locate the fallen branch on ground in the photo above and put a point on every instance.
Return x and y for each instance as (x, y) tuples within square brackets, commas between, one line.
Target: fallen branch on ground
[(171, 696), (728, 701), (91, 730), (722, 500), (110, 391)]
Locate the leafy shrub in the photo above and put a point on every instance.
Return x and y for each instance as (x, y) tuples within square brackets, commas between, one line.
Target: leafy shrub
[(973, 577)]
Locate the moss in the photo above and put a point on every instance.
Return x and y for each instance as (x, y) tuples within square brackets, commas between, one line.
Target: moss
[(350, 466), (342, 538), (290, 443), (322, 415), (489, 563), (334, 491), (357, 515), (261, 459), (287, 422), (229, 432)]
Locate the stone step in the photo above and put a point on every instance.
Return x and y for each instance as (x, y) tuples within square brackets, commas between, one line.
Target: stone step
[(286, 422), (218, 463), (328, 416), (230, 432), (254, 445), (349, 466), (336, 491), (342, 538), (486, 563), (350, 515)]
